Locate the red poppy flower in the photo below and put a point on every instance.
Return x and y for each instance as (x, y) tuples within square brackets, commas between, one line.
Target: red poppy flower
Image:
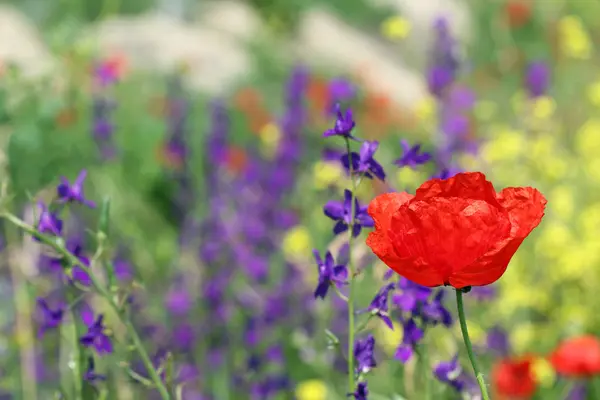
[(577, 357), (456, 232), (513, 378)]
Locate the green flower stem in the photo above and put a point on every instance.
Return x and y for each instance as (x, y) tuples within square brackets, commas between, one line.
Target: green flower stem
[(465, 334), (137, 342), (351, 330)]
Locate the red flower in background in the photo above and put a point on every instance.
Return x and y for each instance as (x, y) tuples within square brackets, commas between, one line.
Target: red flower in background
[(513, 378), (577, 357), (518, 12), (456, 232)]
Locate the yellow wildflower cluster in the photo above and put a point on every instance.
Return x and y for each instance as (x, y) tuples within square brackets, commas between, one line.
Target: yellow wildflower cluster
[(574, 39)]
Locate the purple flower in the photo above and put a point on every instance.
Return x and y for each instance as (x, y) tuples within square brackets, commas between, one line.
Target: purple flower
[(461, 98), (79, 274), (90, 375), (95, 336), (340, 90), (48, 222), (73, 193), (178, 300), (439, 78), (341, 213), (412, 335), (497, 341), (361, 392), (363, 163), (483, 293), (451, 373), (434, 312), (411, 156), (379, 304), (578, 392), (50, 319), (363, 353), (537, 78), (328, 273), (411, 295), (344, 124)]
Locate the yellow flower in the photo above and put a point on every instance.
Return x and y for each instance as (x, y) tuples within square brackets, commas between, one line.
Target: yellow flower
[(543, 372), (592, 169), (522, 336), (574, 40), (396, 27), (594, 93), (554, 239), (297, 242), (469, 161), (514, 297), (327, 174), (561, 201), (269, 136), (588, 221), (410, 178), (426, 109), (508, 145), (313, 389), (476, 332), (543, 107), (587, 139), (389, 339)]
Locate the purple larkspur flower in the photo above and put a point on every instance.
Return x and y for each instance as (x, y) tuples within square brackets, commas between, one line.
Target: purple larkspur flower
[(344, 124), (537, 78), (184, 336), (363, 162), (78, 273), (497, 341), (410, 295), (50, 318), (90, 374), (439, 78), (178, 300), (329, 273), (340, 90), (48, 222), (578, 392), (364, 354), (73, 193), (434, 312), (483, 293), (411, 156), (461, 98), (341, 213), (95, 336), (361, 392), (448, 371), (379, 304), (412, 336)]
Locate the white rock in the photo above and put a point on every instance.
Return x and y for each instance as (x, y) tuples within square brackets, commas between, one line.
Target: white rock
[(232, 17), (20, 43), (326, 41), (157, 41)]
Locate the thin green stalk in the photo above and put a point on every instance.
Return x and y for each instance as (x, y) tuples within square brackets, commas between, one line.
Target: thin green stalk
[(23, 323), (351, 331), (465, 333), (73, 260)]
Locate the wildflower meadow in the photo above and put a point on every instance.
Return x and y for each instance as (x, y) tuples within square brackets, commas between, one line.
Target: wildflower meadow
[(302, 234)]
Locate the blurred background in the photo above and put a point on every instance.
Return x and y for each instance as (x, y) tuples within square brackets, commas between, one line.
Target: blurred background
[(202, 121)]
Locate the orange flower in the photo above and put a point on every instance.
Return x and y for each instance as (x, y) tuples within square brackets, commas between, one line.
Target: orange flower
[(318, 94), (66, 117), (236, 159), (513, 379), (248, 99), (577, 357), (518, 12)]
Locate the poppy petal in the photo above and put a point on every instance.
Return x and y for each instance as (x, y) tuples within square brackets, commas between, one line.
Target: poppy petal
[(447, 234), (525, 208), (381, 210), (466, 185)]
